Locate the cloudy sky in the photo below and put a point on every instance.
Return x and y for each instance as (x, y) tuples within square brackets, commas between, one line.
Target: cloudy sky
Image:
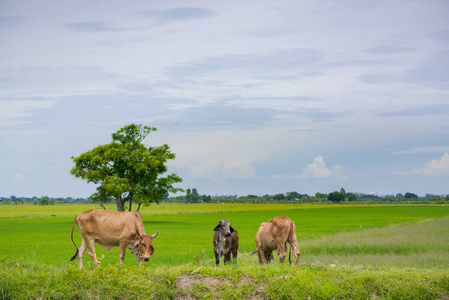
[(254, 97)]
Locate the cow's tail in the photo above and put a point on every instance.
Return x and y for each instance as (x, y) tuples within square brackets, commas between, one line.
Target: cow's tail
[(290, 255), (76, 253)]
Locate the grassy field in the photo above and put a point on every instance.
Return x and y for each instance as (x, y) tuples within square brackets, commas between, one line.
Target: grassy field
[(357, 251)]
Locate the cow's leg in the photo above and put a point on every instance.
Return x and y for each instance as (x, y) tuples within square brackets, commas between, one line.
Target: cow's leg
[(91, 250), (234, 256), (269, 256), (81, 252), (217, 259), (294, 244), (262, 256), (281, 250), (227, 258), (123, 250), (296, 252)]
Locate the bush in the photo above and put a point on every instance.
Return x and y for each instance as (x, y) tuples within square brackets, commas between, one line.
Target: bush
[(336, 197)]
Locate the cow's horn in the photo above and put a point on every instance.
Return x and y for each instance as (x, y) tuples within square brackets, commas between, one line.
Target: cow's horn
[(138, 233), (155, 235)]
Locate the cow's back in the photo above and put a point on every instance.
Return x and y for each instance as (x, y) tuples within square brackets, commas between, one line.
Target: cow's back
[(99, 223), (281, 226), (273, 231)]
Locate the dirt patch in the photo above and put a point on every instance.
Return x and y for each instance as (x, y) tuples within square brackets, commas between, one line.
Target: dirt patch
[(185, 282)]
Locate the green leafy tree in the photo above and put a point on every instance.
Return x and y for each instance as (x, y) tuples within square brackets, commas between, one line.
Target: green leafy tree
[(126, 170), (292, 195), (320, 195), (206, 198), (279, 197), (192, 196), (45, 200), (410, 196), (399, 196), (336, 197), (351, 197)]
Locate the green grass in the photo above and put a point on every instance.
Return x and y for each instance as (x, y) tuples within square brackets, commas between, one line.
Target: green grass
[(20, 280), (347, 251), (183, 235)]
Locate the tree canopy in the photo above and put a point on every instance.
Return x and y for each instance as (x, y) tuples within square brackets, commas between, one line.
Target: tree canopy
[(126, 170), (336, 197)]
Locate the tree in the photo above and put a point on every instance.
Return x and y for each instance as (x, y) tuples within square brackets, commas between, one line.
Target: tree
[(351, 197), (336, 197), (192, 196), (292, 195), (45, 200), (410, 196), (206, 198), (279, 197), (127, 170), (320, 195)]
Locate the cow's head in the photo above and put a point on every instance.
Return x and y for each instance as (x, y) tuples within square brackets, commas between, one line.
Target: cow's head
[(224, 228), (144, 247)]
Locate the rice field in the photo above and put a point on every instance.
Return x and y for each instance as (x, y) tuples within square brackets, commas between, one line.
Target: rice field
[(325, 232)]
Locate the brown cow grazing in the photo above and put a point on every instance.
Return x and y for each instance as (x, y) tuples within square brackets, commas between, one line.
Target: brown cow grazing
[(226, 241), (274, 235), (111, 229)]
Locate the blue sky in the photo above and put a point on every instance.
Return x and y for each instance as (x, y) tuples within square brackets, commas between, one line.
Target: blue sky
[(253, 97)]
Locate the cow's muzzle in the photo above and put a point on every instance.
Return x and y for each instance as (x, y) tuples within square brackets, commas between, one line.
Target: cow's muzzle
[(146, 259), (228, 234)]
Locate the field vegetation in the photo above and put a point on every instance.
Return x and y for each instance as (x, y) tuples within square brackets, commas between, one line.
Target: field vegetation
[(347, 251)]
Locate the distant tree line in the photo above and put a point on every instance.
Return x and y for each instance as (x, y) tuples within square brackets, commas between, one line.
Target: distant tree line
[(44, 200), (192, 196)]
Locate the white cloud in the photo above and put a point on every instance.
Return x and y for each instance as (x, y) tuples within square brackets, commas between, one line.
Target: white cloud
[(17, 178), (217, 155), (18, 112), (318, 169), (434, 168), (421, 150), (437, 167)]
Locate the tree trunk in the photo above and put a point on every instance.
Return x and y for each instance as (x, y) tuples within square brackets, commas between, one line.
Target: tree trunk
[(120, 204)]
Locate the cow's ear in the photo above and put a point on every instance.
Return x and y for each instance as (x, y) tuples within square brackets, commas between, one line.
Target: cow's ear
[(232, 229), (217, 227), (135, 249), (151, 250)]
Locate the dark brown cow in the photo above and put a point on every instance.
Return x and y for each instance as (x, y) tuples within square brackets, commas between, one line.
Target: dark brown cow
[(226, 241), (274, 235), (111, 229)]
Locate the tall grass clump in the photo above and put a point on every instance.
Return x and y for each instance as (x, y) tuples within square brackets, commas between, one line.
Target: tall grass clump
[(420, 244)]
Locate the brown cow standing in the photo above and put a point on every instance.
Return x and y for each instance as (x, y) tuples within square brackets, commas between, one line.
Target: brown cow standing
[(274, 235), (111, 229), (226, 241)]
